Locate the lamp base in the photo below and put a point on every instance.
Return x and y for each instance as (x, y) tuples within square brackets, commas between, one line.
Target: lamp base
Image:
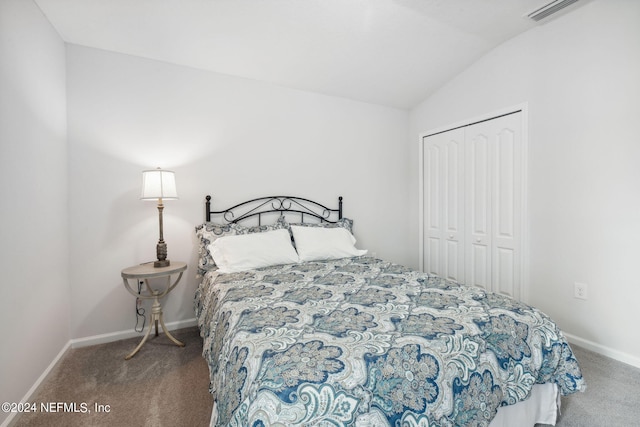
[(161, 251)]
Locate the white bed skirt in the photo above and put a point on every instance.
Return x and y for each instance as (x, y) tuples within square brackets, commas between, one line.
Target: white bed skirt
[(541, 407)]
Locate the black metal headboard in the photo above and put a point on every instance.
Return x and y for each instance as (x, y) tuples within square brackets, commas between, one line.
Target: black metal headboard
[(281, 204)]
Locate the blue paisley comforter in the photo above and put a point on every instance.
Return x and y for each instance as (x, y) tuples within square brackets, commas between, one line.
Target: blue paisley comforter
[(364, 342)]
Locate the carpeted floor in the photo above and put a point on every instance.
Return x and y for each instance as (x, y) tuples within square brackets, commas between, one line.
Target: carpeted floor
[(612, 398), (165, 385), (162, 385)]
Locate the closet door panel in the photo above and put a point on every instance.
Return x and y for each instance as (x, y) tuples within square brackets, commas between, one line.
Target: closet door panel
[(503, 272), (506, 189), (478, 186), (432, 177), (504, 186), (432, 254), (454, 260), (477, 261), (454, 213), (454, 194), (478, 203), (432, 197), (432, 209), (444, 204)]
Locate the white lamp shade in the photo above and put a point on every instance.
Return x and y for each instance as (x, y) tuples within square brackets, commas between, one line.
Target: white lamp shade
[(158, 184)]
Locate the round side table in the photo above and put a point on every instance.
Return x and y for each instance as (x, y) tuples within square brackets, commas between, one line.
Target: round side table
[(145, 272)]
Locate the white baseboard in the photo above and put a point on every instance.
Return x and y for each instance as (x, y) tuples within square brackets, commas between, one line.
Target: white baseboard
[(34, 387), (604, 350), (121, 335)]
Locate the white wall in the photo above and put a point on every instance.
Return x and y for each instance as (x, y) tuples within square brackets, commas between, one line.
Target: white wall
[(579, 75), (229, 137), (34, 294)]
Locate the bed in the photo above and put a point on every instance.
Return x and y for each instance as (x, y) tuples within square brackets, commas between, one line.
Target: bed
[(302, 328)]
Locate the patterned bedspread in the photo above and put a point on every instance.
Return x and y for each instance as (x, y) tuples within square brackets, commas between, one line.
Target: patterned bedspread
[(364, 342)]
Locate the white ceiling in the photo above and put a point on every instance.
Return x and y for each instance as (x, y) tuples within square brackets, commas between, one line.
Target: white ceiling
[(389, 52)]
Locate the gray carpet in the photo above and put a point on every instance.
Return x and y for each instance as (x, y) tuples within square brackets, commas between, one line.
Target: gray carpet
[(612, 398), (165, 385), (162, 385)]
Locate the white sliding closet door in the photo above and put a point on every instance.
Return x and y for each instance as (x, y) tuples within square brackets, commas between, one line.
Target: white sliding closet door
[(472, 213)]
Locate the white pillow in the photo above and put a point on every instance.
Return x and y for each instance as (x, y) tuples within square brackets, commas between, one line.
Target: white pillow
[(316, 243), (248, 251)]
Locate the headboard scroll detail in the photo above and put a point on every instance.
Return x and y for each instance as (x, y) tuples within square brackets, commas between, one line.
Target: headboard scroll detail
[(276, 204)]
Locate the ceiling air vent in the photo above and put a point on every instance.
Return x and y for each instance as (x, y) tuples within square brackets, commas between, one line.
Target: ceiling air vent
[(549, 9)]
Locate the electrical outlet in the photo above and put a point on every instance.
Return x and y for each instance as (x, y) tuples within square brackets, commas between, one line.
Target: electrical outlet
[(580, 290)]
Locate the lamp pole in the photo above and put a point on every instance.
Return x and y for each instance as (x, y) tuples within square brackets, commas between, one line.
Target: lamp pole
[(161, 248)]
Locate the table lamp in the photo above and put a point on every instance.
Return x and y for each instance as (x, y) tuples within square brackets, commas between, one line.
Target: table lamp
[(159, 184)]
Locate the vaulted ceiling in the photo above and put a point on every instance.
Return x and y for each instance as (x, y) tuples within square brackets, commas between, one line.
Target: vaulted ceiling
[(389, 52)]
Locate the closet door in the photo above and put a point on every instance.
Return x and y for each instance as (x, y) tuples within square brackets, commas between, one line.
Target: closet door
[(507, 226), (444, 205), (478, 206), (493, 164), (472, 212)]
